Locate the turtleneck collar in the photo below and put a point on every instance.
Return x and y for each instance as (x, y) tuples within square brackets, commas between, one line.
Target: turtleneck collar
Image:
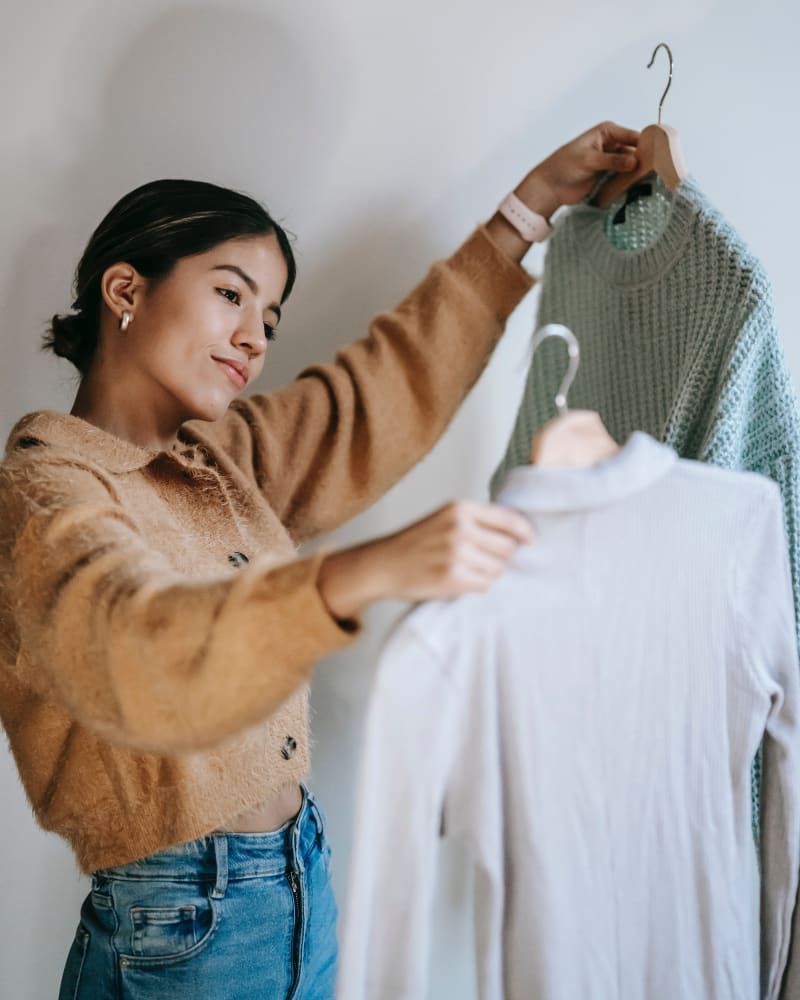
[(638, 464)]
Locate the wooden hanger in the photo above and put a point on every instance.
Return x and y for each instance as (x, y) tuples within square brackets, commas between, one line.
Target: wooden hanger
[(658, 151), (575, 438)]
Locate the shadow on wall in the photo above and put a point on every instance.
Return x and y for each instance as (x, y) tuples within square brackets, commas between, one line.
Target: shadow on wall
[(195, 94), (235, 100), (199, 94)]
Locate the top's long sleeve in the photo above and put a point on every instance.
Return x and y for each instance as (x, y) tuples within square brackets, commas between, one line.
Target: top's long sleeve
[(411, 728), (609, 693)]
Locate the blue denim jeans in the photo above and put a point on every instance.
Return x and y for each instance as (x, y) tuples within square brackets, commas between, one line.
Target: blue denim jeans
[(226, 917)]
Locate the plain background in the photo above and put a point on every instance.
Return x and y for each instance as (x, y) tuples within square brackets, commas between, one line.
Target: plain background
[(381, 133)]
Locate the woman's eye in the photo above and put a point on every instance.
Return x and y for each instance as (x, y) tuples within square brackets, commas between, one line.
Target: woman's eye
[(230, 295), (269, 332)]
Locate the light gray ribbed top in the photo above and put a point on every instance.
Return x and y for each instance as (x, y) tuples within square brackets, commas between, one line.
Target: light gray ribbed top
[(587, 726)]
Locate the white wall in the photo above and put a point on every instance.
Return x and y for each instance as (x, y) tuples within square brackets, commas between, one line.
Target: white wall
[(381, 133)]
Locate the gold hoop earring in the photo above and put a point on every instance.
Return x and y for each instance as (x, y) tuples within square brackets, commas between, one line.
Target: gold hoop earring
[(125, 322)]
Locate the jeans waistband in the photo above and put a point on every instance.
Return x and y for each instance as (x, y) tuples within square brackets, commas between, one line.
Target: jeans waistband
[(222, 857)]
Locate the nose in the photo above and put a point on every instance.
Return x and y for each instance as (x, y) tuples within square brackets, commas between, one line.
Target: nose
[(249, 336)]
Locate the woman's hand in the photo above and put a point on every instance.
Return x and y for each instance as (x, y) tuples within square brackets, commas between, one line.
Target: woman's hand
[(459, 549), (568, 175)]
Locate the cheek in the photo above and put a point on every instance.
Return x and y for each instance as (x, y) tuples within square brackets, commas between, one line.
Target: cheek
[(189, 320), (187, 343), (178, 356)]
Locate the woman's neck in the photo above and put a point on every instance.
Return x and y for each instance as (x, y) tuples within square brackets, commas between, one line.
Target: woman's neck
[(120, 404)]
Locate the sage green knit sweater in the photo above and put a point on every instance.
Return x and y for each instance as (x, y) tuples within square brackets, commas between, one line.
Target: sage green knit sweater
[(678, 339)]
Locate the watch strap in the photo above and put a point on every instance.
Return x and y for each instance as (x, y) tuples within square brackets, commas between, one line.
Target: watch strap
[(529, 224)]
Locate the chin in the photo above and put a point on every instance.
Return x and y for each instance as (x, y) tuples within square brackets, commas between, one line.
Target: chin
[(209, 410)]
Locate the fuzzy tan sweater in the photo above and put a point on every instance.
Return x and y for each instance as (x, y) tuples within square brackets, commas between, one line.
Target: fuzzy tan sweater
[(153, 683)]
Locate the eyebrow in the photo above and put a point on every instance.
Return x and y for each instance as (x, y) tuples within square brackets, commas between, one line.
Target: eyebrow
[(250, 284)]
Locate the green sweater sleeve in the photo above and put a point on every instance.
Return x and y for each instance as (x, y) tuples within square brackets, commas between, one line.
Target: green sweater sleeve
[(755, 423)]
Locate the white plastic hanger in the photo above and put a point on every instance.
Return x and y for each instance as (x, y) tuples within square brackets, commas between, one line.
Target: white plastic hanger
[(576, 438), (658, 151)]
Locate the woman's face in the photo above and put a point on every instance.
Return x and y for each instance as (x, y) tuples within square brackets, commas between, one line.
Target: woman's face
[(199, 336)]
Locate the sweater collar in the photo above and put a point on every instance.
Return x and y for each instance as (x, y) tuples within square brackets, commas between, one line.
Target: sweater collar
[(583, 226), (73, 434), (637, 465)]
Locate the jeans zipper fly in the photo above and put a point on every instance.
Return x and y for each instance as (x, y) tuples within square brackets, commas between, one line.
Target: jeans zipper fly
[(298, 931)]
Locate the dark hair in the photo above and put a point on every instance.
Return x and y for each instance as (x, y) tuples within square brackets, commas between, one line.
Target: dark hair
[(152, 228)]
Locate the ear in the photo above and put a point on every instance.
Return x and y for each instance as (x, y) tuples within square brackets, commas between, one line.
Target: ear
[(122, 288)]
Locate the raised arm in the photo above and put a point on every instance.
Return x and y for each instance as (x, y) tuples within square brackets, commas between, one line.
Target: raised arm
[(340, 435)]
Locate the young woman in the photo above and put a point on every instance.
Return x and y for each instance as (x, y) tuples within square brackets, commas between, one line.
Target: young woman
[(157, 628)]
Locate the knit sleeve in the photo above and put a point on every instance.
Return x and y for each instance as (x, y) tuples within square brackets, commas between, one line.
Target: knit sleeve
[(341, 434), (95, 619), (754, 425)]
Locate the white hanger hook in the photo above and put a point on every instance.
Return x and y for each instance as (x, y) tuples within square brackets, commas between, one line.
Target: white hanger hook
[(573, 350)]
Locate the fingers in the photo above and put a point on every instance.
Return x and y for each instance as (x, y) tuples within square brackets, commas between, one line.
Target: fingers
[(618, 163), (488, 542), (611, 132), (618, 154), (497, 544), (478, 577), (504, 520), (479, 541), (462, 547), (484, 565), (473, 569)]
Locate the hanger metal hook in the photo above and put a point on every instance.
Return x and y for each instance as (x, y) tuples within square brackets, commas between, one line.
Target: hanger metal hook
[(662, 45), (573, 350)]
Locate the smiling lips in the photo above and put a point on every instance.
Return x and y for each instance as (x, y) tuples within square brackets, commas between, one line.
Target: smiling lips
[(235, 370)]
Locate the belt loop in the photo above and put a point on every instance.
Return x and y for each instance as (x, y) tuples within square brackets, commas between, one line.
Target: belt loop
[(221, 856), (297, 863), (319, 822), (297, 855)]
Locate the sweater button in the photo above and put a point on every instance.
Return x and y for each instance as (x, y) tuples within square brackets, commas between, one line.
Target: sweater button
[(289, 747)]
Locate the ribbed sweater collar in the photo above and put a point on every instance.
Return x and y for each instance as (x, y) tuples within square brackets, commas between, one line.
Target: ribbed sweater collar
[(583, 227), (637, 465)]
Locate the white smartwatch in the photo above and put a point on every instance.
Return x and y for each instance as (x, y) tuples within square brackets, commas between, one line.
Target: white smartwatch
[(529, 224)]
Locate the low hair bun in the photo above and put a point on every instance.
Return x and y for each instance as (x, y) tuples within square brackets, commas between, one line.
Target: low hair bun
[(74, 337)]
